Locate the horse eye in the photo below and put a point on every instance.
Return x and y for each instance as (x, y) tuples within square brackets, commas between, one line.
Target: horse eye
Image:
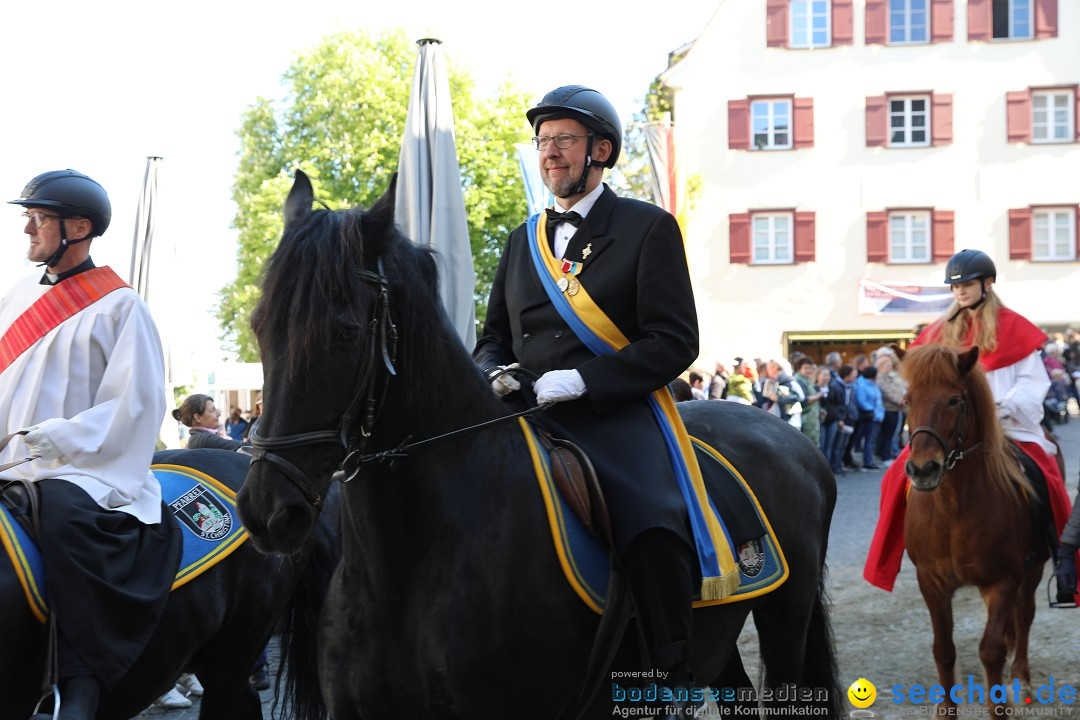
[(954, 401)]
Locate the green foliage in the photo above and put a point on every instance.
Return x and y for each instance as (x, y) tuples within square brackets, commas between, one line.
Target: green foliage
[(341, 122)]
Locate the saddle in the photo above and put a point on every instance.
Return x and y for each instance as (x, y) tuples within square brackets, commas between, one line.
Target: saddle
[(576, 480), (23, 498)]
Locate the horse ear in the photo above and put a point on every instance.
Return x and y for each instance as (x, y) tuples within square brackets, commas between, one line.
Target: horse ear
[(298, 203), (966, 360), (900, 352), (380, 218)]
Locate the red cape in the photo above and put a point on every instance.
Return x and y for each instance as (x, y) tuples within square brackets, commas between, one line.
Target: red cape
[(1017, 338)]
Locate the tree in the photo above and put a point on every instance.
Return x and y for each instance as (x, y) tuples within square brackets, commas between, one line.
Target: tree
[(341, 122)]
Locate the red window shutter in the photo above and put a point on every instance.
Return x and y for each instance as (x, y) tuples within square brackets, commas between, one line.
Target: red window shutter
[(943, 235), (803, 125), (877, 121), (941, 20), (843, 22), (738, 124), (739, 237), (1020, 234), (1046, 18), (877, 19), (941, 119), (805, 237), (877, 237), (776, 23), (980, 19), (1018, 110)]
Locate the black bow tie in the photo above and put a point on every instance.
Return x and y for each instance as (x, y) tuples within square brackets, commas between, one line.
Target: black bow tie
[(556, 218)]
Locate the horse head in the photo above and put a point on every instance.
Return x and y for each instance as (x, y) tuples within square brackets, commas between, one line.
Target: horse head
[(322, 316), (942, 405)]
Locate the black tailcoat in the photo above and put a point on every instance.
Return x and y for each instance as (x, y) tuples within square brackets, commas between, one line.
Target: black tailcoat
[(634, 267)]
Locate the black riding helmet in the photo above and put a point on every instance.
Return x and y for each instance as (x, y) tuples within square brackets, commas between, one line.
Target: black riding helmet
[(589, 108), (968, 265), (69, 194)]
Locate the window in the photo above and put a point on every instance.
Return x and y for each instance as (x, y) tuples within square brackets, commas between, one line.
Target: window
[(1052, 116), (1012, 19), (908, 21), (1053, 234), (908, 121), (771, 124), (810, 26), (772, 238), (909, 237)]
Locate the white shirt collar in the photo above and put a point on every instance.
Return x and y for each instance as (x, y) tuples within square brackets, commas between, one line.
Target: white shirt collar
[(585, 204)]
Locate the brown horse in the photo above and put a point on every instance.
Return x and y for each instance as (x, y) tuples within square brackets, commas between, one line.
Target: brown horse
[(968, 520)]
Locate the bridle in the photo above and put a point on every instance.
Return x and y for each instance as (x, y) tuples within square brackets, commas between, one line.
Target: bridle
[(350, 434), (956, 439)]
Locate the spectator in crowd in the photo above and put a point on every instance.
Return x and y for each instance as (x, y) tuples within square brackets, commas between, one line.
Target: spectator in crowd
[(198, 413), (1056, 403), (741, 384), (893, 388), (680, 390), (871, 414), (718, 386), (777, 393), (811, 407), (236, 426), (1052, 357), (255, 414), (697, 385), (851, 418), (1071, 357), (835, 403)]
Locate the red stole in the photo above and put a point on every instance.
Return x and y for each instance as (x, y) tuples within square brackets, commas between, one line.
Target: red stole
[(1017, 338), (68, 297)]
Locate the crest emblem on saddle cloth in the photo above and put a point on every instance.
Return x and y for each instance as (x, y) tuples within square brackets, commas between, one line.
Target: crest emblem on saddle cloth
[(199, 512), (751, 557)]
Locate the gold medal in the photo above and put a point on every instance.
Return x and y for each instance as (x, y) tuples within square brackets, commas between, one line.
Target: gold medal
[(573, 287), (563, 283), (586, 252)]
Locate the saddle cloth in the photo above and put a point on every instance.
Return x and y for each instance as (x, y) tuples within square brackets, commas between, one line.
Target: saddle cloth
[(203, 506), (584, 560)]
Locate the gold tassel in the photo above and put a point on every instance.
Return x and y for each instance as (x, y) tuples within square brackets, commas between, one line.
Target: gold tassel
[(718, 588)]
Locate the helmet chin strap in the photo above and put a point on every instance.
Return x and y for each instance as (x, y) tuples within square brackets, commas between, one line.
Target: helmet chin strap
[(982, 283), (588, 166), (64, 243)]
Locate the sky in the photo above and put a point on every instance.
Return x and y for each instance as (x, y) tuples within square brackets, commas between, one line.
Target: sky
[(100, 86)]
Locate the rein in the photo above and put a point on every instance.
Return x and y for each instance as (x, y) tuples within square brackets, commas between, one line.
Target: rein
[(383, 342), (956, 439)]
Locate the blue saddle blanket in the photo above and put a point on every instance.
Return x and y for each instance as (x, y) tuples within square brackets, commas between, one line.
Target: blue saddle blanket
[(202, 505), (760, 560)]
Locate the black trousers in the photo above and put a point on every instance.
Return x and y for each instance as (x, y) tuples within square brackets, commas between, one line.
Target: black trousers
[(107, 576), (659, 567)]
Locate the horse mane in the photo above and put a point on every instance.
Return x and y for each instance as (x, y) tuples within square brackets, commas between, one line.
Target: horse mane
[(930, 365), (313, 300)]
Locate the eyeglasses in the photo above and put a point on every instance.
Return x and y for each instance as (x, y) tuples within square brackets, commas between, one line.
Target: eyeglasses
[(563, 142), (39, 219)]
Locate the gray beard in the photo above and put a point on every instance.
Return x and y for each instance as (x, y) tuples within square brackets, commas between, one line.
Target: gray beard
[(563, 189)]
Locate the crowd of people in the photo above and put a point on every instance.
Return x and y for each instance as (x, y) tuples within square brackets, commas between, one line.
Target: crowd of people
[(844, 409)]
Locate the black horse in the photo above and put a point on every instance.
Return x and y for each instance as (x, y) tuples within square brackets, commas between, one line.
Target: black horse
[(449, 601), (214, 626)]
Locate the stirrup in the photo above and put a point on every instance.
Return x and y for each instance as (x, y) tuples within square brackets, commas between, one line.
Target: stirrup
[(55, 692), (1055, 600)]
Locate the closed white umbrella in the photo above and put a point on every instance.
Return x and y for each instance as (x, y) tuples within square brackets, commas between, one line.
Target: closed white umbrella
[(430, 202)]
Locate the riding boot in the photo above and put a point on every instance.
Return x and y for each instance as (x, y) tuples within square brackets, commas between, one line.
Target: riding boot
[(79, 698), (658, 565)]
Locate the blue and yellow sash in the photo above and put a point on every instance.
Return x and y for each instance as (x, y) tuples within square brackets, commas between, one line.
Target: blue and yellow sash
[(720, 576)]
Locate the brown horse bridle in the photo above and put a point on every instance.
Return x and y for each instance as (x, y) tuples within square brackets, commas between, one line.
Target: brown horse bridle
[(350, 435), (956, 439)]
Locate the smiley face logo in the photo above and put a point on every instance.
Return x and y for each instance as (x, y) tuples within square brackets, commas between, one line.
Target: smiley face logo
[(862, 693)]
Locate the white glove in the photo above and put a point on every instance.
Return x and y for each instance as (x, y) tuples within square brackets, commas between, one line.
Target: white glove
[(41, 445), (558, 386), (505, 383)]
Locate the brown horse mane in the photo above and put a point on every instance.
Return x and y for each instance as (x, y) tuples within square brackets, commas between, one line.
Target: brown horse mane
[(931, 366)]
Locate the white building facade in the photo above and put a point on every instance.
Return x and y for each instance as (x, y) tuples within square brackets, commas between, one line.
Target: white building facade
[(847, 148)]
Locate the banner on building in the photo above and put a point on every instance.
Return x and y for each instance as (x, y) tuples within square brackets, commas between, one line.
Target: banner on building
[(889, 298)]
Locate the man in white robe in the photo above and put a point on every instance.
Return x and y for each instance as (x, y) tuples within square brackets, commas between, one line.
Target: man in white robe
[(82, 378)]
